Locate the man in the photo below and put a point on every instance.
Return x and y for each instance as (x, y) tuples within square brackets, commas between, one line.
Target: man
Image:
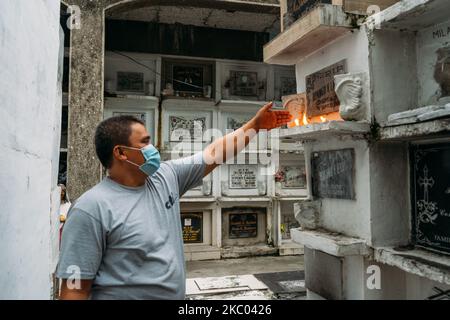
[(123, 238)]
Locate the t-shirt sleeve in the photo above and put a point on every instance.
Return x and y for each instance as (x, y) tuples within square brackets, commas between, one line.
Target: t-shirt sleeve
[(189, 171), (82, 246)]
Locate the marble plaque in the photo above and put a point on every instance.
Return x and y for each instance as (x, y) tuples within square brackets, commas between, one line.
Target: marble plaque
[(244, 83), (192, 224), (234, 123), (183, 129), (288, 85), (130, 82), (243, 225), (293, 177), (431, 196), (320, 94), (332, 174), (242, 176), (296, 105)]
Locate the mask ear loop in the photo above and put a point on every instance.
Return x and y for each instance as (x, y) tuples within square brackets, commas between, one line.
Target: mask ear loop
[(132, 163), (133, 148)]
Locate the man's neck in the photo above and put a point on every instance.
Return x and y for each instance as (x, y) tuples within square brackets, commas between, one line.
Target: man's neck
[(128, 180)]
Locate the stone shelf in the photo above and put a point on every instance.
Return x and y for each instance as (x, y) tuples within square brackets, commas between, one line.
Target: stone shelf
[(314, 131), (236, 103), (197, 199), (332, 243), (288, 247), (411, 15), (194, 251), (319, 27), (244, 199), (135, 96), (428, 129), (420, 262), (291, 198)]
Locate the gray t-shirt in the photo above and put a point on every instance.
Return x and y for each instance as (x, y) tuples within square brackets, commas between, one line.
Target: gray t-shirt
[(129, 240)]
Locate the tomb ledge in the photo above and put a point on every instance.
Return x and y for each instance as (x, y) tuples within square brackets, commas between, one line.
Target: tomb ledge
[(332, 243), (411, 15), (197, 199), (417, 261), (314, 131), (410, 131), (321, 26)]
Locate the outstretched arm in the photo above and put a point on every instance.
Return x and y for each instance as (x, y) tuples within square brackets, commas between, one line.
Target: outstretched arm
[(228, 146)]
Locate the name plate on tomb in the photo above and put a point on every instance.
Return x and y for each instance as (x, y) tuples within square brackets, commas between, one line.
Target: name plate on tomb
[(242, 177), (192, 224), (332, 174), (182, 129), (320, 94), (292, 177), (243, 225), (431, 196)]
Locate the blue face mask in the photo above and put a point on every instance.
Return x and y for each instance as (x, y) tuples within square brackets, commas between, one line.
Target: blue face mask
[(152, 159)]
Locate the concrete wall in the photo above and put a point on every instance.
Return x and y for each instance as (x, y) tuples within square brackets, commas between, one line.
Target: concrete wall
[(392, 285), (429, 41), (351, 217), (398, 284), (418, 288), (347, 216), (353, 47), (394, 73), (116, 63), (390, 207), (30, 95)]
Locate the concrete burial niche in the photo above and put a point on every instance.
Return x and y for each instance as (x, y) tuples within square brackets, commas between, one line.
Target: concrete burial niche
[(422, 42), (243, 226)]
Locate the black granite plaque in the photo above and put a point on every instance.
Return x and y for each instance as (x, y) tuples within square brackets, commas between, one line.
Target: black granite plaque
[(130, 81), (332, 174), (244, 83), (431, 196), (320, 94), (192, 224), (188, 78), (243, 225)]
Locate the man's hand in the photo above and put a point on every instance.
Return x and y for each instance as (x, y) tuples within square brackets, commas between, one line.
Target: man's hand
[(268, 119), (228, 146)]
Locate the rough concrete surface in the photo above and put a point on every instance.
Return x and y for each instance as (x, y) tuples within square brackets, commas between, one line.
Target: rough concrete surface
[(219, 272), (251, 265)]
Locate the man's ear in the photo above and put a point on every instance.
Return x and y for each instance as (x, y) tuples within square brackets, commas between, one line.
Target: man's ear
[(119, 154)]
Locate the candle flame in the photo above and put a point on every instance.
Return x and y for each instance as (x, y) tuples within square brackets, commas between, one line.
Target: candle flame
[(305, 119)]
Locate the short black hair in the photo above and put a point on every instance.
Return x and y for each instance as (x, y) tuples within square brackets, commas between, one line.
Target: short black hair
[(112, 132)]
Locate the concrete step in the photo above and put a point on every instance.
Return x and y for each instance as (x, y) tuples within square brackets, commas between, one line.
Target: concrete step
[(248, 251), (201, 252), (291, 249)]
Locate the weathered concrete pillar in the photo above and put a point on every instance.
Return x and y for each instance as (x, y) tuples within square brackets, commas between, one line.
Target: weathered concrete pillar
[(85, 97)]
